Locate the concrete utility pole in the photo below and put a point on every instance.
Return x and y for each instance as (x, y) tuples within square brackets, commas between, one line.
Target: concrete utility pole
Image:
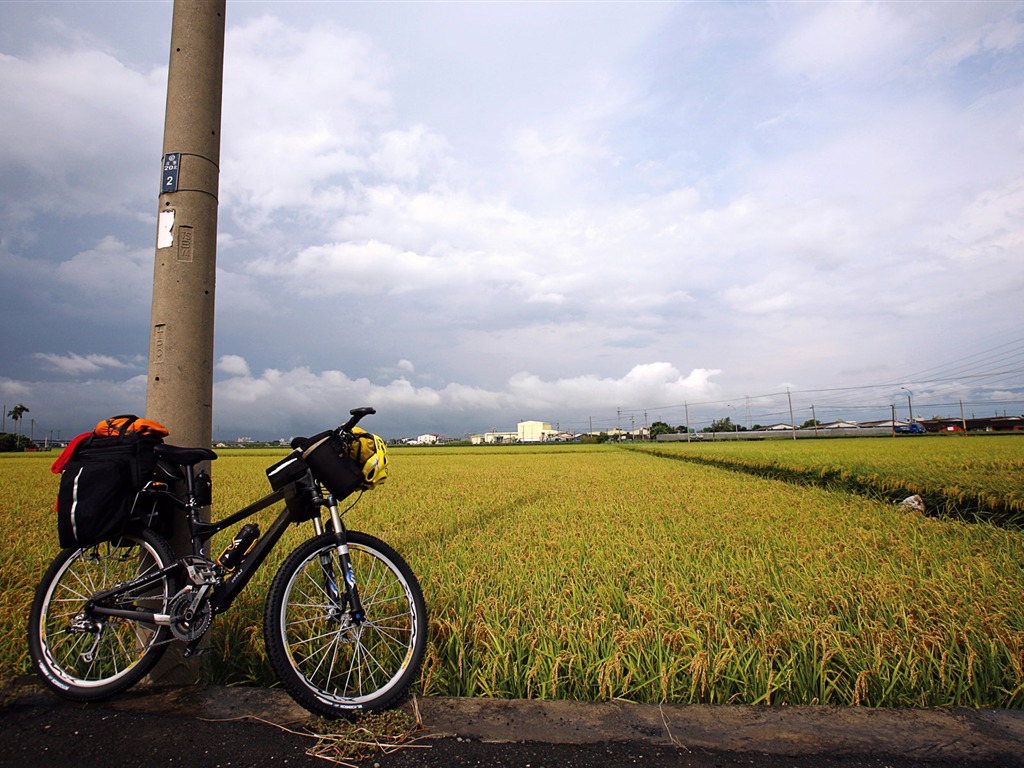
[(179, 393), (180, 389)]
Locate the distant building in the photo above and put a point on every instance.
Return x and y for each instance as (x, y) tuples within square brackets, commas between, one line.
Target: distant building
[(494, 438), (424, 440), (535, 432)]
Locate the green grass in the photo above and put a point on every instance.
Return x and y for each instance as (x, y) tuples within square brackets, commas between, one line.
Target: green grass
[(594, 573)]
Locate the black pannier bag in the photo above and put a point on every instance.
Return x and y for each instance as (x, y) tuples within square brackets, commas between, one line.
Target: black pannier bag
[(99, 486)]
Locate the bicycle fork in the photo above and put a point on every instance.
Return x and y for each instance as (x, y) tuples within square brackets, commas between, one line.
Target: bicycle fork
[(351, 591)]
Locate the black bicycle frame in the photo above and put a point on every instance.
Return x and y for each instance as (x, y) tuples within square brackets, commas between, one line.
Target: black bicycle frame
[(225, 592)]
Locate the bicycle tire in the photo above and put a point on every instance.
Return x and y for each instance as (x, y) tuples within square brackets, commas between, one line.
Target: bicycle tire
[(328, 664), (110, 655)]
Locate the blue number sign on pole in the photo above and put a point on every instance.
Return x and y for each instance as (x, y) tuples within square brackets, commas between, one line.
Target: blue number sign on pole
[(169, 178)]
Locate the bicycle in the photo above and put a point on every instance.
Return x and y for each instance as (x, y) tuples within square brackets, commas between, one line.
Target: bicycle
[(345, 622)]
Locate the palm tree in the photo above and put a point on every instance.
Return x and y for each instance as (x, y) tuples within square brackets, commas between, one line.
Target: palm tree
[(16, 413)]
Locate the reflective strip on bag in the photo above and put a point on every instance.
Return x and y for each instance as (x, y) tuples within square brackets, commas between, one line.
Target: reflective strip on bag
[(285, 465), (74, 503)]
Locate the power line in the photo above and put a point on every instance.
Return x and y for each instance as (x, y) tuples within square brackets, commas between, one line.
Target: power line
[(986, 370)]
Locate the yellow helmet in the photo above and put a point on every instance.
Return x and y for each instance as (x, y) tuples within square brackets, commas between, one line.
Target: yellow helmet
[(371, 455)]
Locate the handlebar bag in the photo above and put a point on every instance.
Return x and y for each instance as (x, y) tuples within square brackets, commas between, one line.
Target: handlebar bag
[(287, 470), (329, 459)]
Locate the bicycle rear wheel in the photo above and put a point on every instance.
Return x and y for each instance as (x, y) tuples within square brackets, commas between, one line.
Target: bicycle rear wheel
[(86, 657), (329, 663)]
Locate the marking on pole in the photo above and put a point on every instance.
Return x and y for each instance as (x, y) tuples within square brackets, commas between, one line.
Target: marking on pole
[(169, 177), (158, 342), (185, 244), (165, 229)]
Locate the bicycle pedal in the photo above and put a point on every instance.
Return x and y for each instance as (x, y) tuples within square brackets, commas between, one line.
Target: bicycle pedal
[(189, 651)]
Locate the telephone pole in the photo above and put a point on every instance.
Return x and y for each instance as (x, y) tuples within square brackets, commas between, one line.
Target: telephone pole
[(179, 392)]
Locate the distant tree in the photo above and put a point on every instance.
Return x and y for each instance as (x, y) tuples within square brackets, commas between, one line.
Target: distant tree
[(9, 442), (810, 424), (16, 413), (721, 425), (661, 428)]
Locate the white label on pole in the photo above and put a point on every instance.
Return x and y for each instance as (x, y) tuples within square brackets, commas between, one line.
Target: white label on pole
[(164, 236)]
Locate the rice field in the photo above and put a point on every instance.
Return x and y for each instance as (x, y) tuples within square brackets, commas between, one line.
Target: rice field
[(975, 477), (598, 573)]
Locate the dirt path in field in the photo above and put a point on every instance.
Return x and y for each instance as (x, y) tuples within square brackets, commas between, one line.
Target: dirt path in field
[(152, 728)]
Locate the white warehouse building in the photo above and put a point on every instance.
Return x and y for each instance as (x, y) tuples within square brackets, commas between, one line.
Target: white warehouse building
[(526, 432), (535, 432)]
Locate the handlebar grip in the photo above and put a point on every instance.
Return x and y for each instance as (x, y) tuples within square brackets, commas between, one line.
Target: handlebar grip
[(357, 414)]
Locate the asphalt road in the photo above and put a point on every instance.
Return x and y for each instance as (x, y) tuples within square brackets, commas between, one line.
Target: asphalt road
[(241, 727)]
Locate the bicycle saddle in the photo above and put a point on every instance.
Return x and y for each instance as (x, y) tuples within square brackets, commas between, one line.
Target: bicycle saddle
[(185, 457)]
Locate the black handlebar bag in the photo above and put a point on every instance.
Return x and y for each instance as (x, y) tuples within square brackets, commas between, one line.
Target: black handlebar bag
[(328, 457), (99, 486)]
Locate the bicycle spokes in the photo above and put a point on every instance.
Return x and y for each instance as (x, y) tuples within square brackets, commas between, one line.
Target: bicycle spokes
[(331, 657)]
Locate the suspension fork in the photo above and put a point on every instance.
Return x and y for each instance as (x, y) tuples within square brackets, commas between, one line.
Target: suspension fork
[(330, 579)]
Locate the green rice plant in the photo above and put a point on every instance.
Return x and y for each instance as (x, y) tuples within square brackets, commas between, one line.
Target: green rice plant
[(592, 573), (628, 578), (28, 542), (975, 477)]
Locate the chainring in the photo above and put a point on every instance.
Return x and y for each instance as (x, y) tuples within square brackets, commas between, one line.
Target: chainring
[(189, 624)]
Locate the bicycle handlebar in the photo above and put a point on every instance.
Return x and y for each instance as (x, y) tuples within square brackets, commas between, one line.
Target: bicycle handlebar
[(357, 414)]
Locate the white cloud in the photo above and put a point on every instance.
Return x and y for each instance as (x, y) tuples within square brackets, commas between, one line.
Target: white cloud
[(301, 110), (648, 383), (862, 39), (81, 131), (402, 154), (233, 365), (111, 268), (783, 192), (14, 389), (75, 364), (303, 395)]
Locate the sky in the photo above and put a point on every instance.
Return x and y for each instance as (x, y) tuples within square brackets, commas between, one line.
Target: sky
[(469, 214)]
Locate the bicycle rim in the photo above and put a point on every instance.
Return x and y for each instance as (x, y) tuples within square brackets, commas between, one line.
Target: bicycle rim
[(348, 665), (112, 650)]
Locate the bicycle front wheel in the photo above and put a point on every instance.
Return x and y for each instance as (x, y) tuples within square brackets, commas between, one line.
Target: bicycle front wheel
[(330, 662), (82, 656)]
